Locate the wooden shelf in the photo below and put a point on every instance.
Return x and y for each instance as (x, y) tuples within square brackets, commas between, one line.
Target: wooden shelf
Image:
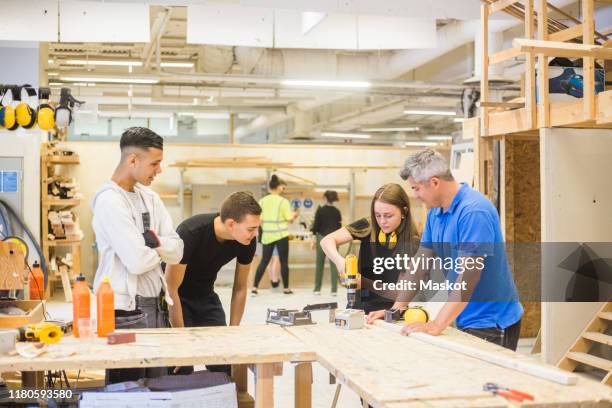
[(62, 160), (61, 202), (63, 242)]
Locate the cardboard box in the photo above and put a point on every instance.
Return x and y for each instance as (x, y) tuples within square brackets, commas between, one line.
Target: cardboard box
[(34, 314)]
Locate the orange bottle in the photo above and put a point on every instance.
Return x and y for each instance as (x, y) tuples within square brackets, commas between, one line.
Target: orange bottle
[(80, 303), (37, 283), (105, 308)]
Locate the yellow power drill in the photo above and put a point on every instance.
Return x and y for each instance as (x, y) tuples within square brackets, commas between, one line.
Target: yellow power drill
[(44, 332)]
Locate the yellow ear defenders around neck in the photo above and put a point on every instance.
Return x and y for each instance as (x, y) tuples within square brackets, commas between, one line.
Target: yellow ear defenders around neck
[(26, 115), (46, 113), (389, 240)]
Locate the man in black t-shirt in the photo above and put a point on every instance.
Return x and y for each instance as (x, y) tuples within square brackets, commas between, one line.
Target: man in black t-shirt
[(211, 241)]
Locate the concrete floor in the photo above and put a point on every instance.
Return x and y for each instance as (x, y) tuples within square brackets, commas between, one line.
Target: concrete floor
[(255, 313)]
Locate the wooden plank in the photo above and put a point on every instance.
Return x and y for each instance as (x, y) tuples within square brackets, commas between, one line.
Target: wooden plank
[(240, 377), (506, 105), (396, 371), (567, 34), (504, 55), (542, 83), (515, 363), (470, 128), (604, 108), (484, 76), (252, 344), (588, 62), (530, 72), (501, 4), (605, 315), (264, 386), (303, 385), (598, 337), (561, 49), (590, 360)]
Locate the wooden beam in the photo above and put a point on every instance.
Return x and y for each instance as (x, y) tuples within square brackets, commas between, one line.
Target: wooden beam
[(561, 49), (501, 4), (575, 20), (510, 360), (484, 76), (588, 63), (507, 105), (567, 34), (542, 86), (504, 55), (303, 385), (530, 71), (264, 385)]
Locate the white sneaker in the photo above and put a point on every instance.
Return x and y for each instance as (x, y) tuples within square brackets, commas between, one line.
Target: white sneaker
[(317, 293)]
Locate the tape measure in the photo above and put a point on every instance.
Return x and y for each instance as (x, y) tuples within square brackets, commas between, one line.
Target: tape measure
[(416, 314)]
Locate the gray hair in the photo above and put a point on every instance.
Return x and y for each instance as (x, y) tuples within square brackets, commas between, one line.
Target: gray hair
[(424, 165)]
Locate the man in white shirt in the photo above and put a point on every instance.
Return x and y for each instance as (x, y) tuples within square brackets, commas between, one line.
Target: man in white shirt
[(134, 235)]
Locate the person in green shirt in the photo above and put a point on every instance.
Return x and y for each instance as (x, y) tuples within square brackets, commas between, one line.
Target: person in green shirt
[(276, 216)]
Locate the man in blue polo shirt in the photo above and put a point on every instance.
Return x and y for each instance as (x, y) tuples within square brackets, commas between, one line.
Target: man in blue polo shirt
[(463, 231)]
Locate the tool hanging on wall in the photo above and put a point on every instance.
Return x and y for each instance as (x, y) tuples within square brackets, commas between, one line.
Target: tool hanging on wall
[(63, 113), (7, 112), (26, 109), (46, 112)]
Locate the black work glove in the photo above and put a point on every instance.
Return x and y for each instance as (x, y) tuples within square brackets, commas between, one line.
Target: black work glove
[(151, 239)]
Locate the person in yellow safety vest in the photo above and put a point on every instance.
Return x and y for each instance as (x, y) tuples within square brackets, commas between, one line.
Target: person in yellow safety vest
[(276, 216)]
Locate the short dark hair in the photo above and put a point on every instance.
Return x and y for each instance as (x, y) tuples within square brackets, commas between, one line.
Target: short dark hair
[(239, 204), (141, 137), (276, 181)]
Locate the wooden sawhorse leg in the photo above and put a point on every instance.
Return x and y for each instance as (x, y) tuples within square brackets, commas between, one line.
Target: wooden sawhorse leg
[(264, 385), (303, 385)]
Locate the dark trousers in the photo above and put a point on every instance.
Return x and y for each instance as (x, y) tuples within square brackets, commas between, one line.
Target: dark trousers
[(148, 314), (204, 312), (333, 271), (283, 254), (507, 337)]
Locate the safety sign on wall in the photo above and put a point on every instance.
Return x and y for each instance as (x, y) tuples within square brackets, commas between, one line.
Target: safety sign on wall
[(8, 182), (308, 203), (296, 203)]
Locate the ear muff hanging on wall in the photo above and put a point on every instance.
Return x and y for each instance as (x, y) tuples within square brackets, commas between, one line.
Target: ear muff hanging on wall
[(26, 115), (2, 93), (46, 112), (10, 120)]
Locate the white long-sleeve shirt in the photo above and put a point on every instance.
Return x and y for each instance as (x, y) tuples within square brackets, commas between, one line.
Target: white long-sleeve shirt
[(122, 253)]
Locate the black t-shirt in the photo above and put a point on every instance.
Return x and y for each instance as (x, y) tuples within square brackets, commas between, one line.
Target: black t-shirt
[(327, 219), (204, 255)]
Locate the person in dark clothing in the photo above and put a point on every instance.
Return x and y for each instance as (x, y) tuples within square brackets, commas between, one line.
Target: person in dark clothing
[(327, 219), (211, 241), (389, 231)]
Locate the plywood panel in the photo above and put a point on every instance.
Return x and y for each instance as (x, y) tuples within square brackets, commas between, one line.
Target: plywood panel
[(521, 216), (576, 201)]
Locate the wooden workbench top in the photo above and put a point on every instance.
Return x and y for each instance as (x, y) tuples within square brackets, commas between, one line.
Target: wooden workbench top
[(169, 347), (389, 370)]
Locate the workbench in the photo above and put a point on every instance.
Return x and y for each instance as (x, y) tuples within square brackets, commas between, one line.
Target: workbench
[(384, 368), (392, 371), (261, 347)]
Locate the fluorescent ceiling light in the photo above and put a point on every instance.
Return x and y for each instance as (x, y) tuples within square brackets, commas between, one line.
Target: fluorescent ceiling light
[(420, 144), (111, 80), (346, 135), (458, 120), (429, 112), (52, 73), (49, 61), (439, 138), (192, 114), (177, 64), (122, 63), (326, 84), (390, 129)]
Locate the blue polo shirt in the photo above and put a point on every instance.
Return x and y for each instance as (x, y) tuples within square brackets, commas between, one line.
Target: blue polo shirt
[(471, 228)]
